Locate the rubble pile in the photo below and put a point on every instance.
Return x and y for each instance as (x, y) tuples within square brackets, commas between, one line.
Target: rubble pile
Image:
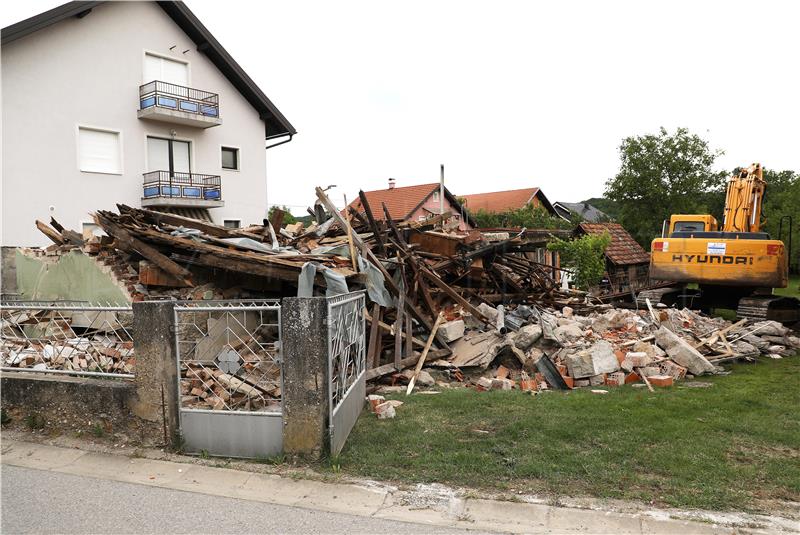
[(547, 349), (61, 340), (442, 303)]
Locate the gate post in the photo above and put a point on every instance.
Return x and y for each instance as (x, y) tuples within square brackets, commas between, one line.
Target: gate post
[(156, 376), (304, 344)]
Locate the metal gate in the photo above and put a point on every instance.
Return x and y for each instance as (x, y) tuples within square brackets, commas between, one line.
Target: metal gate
[(230, 377), (346, 365)]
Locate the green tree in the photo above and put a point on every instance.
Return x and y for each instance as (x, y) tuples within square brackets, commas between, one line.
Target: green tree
[(527, 217), (288, 218), (584, 256), (660, 175), (782, 198)]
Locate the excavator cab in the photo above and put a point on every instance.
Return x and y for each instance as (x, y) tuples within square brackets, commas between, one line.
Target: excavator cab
[(689, 223)]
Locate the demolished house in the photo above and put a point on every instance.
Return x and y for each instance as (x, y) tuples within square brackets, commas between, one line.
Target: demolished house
[(445, 307)]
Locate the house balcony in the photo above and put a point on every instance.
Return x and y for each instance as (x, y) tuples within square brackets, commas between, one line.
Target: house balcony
[(170, 103), (193, 190)]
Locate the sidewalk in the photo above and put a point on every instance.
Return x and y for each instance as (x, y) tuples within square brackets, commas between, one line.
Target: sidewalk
[(375, 501)]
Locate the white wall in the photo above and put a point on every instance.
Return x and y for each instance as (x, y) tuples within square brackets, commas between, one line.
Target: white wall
[(88, 71)]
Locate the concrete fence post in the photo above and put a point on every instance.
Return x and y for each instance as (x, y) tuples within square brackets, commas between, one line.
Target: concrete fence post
[(304, 340), (156, 371)]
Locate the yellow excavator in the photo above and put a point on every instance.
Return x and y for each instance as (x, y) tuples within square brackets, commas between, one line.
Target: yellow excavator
[(735, 266)]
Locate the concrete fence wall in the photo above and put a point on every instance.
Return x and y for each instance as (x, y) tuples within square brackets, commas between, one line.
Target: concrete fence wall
[(148, 405)]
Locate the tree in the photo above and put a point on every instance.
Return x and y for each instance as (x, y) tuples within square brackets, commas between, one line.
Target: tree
[(288, 218), (660, 175), (528, 217), (782, 198), (584, 256)]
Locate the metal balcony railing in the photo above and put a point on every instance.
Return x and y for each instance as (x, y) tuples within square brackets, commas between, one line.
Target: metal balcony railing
[(182, 186), (178, 98)]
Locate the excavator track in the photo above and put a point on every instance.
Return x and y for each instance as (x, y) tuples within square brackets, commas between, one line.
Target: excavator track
[(769, 307)]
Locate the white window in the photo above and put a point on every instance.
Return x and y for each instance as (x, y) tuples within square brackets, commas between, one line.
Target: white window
[(230, 158), (165, 70), (99, 151), (435, 196), (168, 155), (232, 223)]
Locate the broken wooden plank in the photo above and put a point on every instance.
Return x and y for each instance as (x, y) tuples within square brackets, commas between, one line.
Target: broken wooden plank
[(424, 354), (51, 233), (372, 224), (455, 296)]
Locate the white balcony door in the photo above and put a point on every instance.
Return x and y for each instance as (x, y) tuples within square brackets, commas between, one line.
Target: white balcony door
[(168, 155), (165, 70)]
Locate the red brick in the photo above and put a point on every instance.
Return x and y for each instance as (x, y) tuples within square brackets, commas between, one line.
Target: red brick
[(660, 380)]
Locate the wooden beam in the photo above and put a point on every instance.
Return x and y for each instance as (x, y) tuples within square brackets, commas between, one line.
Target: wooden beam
[(151, 253), (424, 354), (374, 346), (455, 296), (372, 223), (386, 369), (51, 233)]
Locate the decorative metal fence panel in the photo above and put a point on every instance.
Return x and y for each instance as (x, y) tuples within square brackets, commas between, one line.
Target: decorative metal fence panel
[(346, 365), (74, 338), (230, 377)]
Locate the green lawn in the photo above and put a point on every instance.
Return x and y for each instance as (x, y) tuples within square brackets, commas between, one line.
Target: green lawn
[(793, 289), (731, 446)]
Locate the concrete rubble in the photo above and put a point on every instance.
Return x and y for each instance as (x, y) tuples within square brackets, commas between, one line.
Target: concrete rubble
[(606, 347)]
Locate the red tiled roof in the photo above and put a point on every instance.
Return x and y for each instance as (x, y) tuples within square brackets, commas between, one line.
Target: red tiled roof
[(400, 201), (623, 249), (499, 201)]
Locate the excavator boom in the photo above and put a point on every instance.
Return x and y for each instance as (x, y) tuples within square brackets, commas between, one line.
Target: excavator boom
[(743, 200)]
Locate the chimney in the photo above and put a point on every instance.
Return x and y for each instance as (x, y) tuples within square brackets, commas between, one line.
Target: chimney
[(391, 183)]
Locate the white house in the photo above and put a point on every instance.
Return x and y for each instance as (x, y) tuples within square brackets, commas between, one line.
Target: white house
[(128, 102)]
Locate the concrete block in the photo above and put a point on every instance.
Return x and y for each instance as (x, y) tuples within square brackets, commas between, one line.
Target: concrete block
[(527, 336), (580, 365), (569, 331), (682, 353), (452, 330), (603, 357)]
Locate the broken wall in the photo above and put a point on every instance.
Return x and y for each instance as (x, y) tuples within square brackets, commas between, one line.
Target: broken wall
[(70, 276)]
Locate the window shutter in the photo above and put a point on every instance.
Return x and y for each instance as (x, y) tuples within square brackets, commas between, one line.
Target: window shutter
[(99, 151)]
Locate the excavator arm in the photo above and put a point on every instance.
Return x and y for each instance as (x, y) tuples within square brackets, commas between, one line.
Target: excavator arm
[(743, 200)]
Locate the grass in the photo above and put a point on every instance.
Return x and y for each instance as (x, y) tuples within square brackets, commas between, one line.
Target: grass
[(793, 289), (729, 446)]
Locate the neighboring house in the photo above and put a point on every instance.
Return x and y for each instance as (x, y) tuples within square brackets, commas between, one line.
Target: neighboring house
[(501, 201), (627, 264), (413, 203), (128, 102), (585, 211)]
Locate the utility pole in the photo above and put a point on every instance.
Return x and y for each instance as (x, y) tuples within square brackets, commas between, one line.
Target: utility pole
[(441, 189)]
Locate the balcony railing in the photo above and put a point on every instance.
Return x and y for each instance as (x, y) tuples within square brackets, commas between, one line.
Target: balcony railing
[(178, 98), (191, 186)]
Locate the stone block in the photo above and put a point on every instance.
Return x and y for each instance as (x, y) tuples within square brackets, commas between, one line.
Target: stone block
[(452, 330), (527, 336), (682, 353), (603, 357)]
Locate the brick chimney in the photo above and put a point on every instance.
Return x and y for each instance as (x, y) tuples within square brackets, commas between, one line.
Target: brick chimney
[(391, 183)]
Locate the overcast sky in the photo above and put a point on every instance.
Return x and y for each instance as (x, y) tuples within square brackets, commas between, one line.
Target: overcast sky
[(506, 94)]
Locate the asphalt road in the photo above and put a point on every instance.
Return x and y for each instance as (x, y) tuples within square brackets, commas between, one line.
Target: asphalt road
[(36, 501)]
